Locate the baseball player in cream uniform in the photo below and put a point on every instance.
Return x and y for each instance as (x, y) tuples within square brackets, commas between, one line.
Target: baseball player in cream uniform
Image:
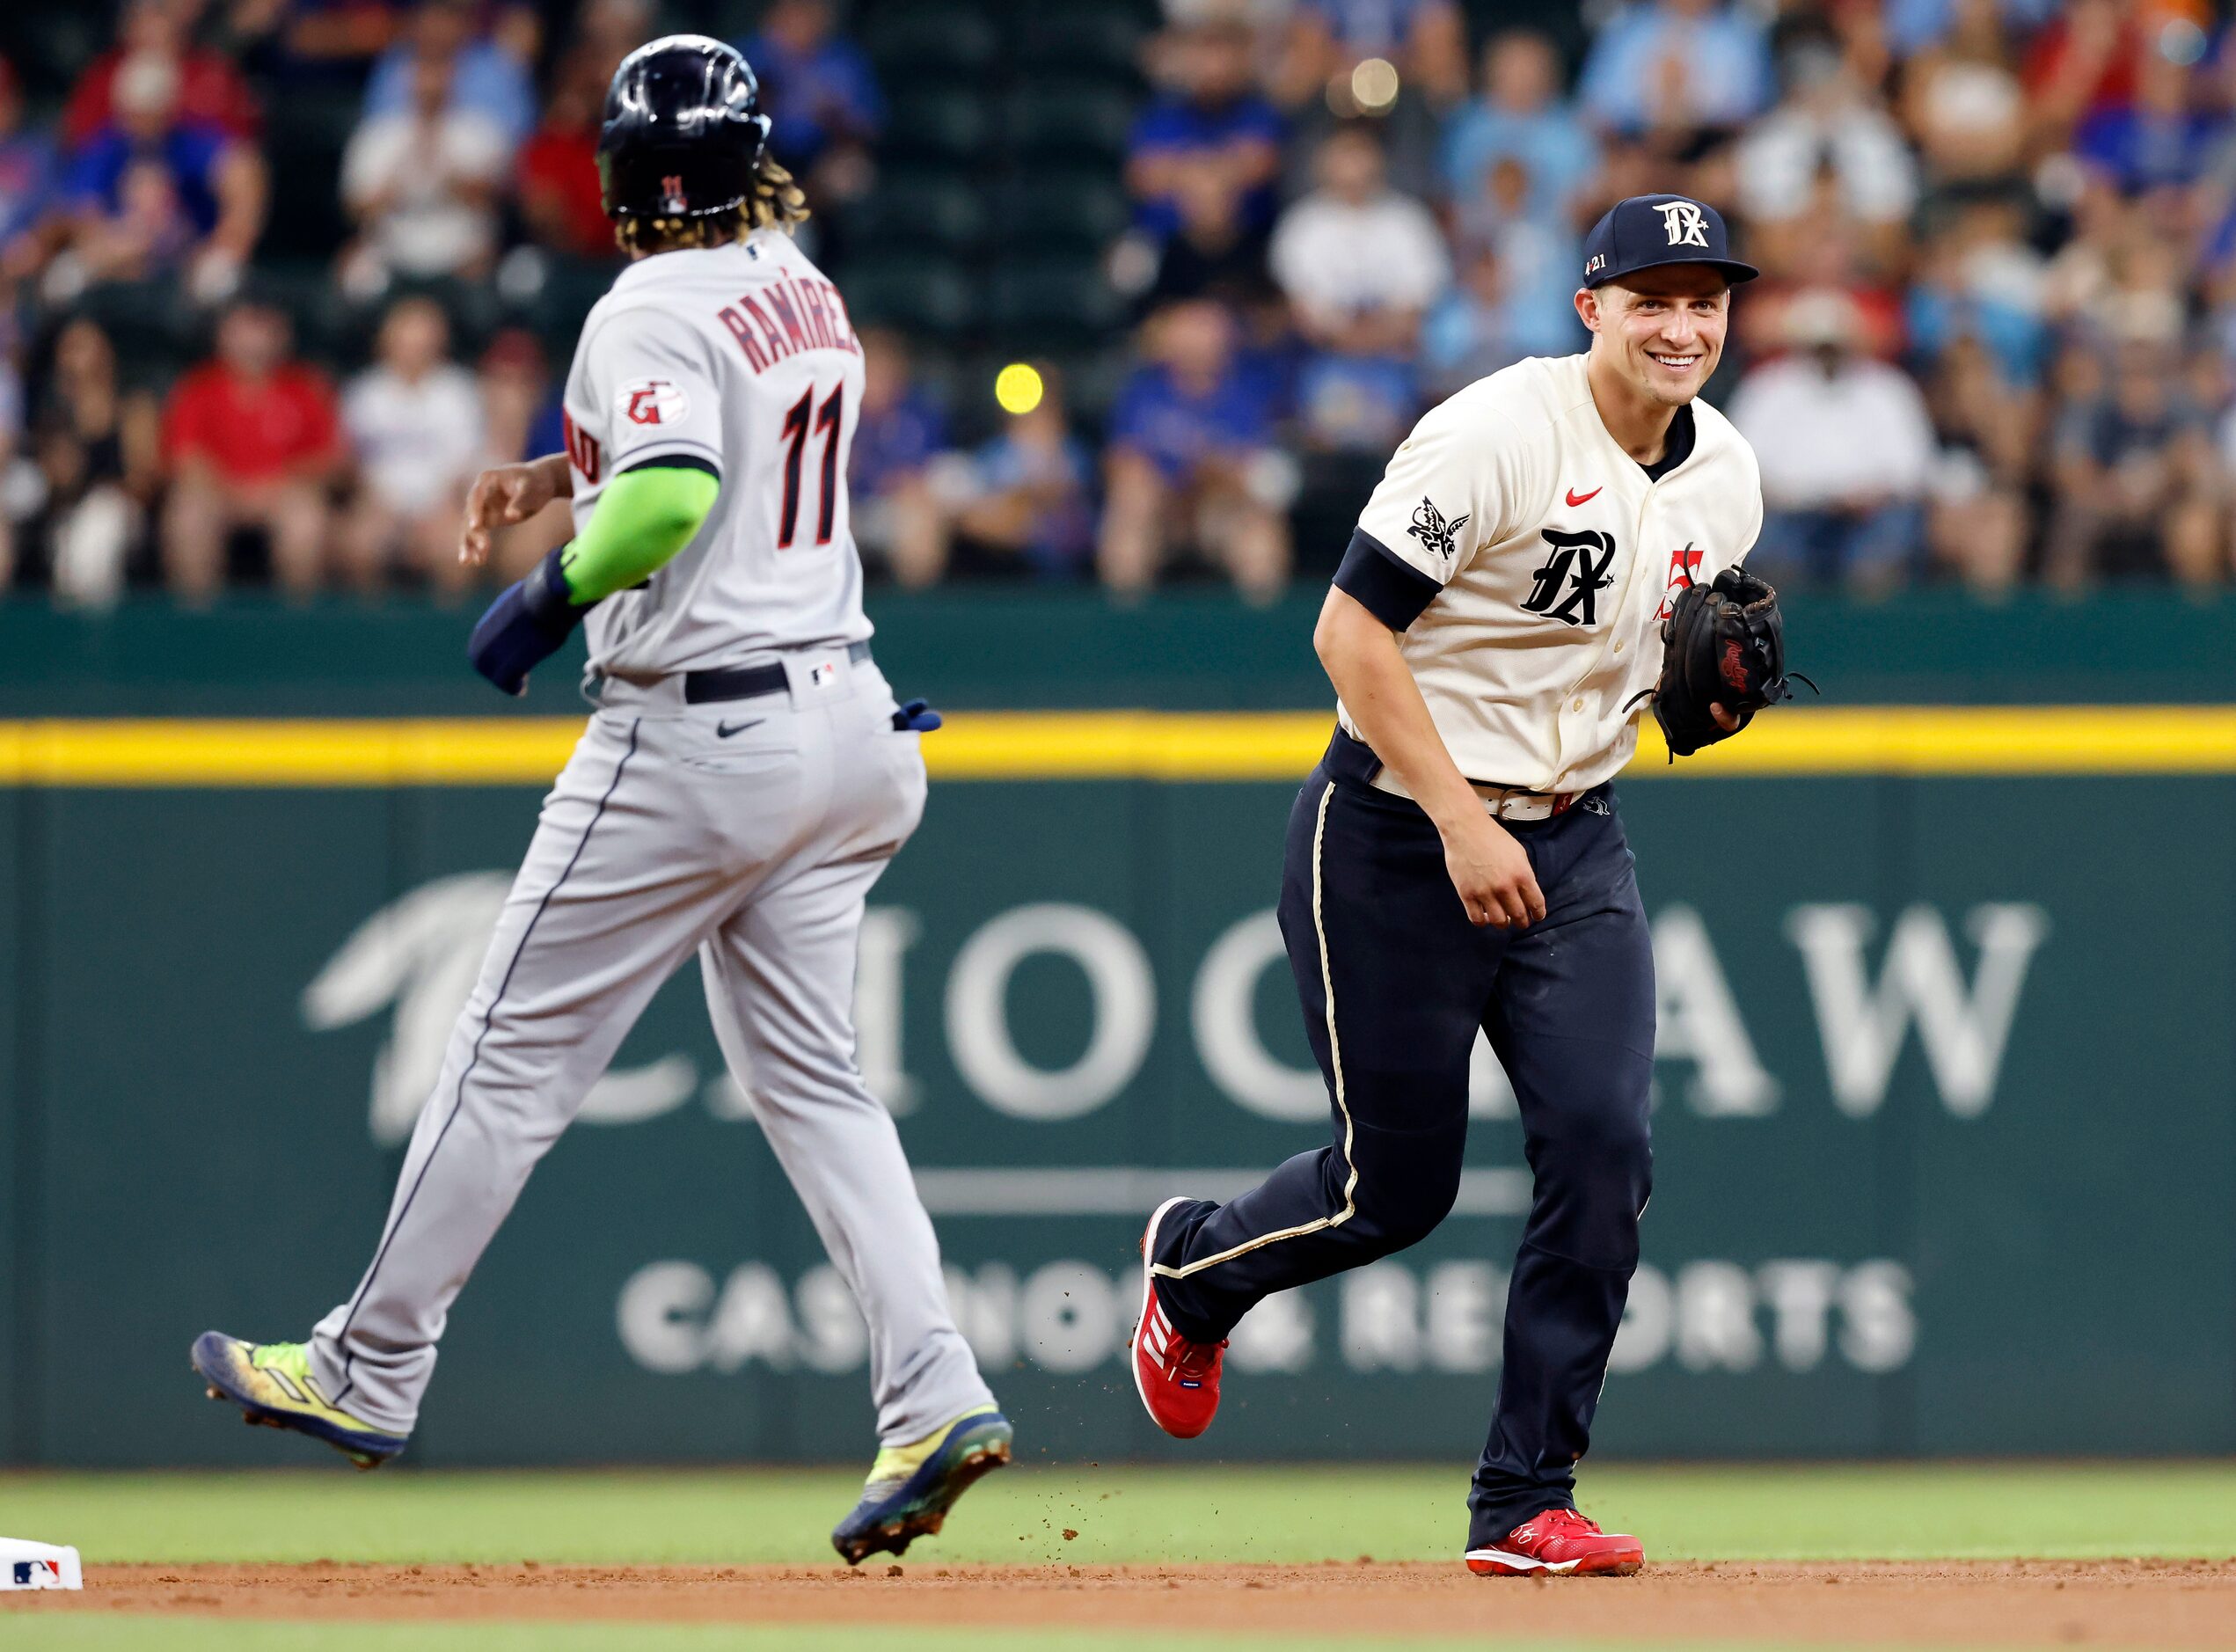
[(745, 779), (1457, 862)]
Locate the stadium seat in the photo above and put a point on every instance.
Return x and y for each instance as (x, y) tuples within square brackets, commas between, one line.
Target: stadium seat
[(555, 311), (1090, 38), (908, 42), (916, 208), (306, 133), (1052, 302), (916, 295), (156, 330), (950, 123), (1081, 120), (303, 288), (49, 45), (1064, 210), (1092, 379)]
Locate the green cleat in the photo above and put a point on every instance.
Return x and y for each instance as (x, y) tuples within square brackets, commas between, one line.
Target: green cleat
[(911, 1488), (272, 1383)]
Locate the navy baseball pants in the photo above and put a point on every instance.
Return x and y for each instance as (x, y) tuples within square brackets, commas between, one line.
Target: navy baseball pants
[(1395, 982)]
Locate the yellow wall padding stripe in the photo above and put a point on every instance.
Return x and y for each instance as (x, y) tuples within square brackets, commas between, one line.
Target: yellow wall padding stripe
[(1111, 745)]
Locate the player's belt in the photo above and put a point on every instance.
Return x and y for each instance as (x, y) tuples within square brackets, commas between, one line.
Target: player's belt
[(747, 682), (1504, 802), (1351, 758)]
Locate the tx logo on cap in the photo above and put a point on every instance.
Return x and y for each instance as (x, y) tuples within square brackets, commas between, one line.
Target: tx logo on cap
[(1685, 222)]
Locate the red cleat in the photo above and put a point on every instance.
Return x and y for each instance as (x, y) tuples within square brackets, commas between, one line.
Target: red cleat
[(1178, 1379), (1558, 1540)]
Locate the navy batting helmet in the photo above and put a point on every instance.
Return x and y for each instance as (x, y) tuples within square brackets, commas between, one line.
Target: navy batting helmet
[(682, 131)]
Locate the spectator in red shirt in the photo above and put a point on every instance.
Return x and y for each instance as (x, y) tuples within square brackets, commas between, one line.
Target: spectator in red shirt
[(558, 169), (211, 92), (250, 441)]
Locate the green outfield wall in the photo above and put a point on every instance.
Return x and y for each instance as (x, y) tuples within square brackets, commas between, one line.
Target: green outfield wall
[(1945, 1147), (1043, 649)]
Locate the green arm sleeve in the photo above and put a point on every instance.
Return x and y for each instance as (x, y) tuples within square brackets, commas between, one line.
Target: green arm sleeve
[(641, 520)]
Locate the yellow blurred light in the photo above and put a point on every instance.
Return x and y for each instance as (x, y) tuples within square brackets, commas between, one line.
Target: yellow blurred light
[(1017, 388), (1374, 84)]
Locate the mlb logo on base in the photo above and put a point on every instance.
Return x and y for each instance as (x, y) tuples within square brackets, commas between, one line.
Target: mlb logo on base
[(37, 1566)]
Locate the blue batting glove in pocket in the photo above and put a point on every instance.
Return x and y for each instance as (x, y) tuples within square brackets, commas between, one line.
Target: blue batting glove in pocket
[(916, 715)]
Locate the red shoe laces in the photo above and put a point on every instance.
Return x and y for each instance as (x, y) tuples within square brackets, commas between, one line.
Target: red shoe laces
[(1197, 1359), (1568, 1523)]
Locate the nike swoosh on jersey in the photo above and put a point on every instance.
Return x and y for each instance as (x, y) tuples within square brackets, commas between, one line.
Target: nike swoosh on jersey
[(723, 731), (1575, 498)]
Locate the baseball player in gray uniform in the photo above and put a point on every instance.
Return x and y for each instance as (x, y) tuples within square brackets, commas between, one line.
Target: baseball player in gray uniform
[(745, 779)]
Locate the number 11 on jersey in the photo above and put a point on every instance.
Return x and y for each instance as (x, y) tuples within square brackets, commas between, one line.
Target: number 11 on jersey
[(796, 424)]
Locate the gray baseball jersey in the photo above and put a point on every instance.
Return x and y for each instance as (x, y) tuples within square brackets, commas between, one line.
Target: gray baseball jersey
[(747, 830), (738, 359)]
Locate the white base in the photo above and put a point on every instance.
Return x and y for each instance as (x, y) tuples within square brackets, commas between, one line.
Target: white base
[(37, 1566)]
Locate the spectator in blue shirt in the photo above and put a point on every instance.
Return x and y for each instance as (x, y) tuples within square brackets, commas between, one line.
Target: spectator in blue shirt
[(817, 86), (1677, 66), (1513, 299), (486, 78), (896, 518), (1960, 288), (1191, 447), (151, 197), (1520, 116), (2161, 138), (28, 179), (1023, 495), (1213, 138)]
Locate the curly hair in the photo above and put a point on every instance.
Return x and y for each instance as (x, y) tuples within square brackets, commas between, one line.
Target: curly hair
[(773, 201)]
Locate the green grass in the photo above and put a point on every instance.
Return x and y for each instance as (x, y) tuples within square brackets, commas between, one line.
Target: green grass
[(1121, 1514)]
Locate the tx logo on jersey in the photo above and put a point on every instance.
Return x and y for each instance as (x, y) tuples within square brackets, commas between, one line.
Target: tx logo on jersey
[(1429, 526), (1684, 223), (1568, 581), (1684, 570)]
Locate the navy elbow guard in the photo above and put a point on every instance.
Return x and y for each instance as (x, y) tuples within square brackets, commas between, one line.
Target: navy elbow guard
[(527, 625)]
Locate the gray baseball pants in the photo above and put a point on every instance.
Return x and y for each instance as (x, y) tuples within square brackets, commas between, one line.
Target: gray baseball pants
[(758, 847)]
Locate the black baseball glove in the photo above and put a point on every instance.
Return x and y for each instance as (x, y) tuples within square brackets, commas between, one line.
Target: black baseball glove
[(1724, 645)]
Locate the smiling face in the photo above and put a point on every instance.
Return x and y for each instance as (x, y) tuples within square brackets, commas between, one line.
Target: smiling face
[(1660, 331)]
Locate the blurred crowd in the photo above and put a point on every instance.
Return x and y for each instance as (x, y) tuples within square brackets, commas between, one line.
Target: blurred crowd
[(1993, 344), (1998, 237)]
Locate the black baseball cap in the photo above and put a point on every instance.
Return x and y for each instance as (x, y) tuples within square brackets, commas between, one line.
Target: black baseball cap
[(1647, 231)]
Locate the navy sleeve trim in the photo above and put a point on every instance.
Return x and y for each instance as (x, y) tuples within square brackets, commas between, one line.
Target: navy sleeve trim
[(1382, 582), (675, 462)]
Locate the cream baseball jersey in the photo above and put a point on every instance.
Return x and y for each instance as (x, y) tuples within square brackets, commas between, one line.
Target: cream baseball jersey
[(1526, 561), (738, 359)]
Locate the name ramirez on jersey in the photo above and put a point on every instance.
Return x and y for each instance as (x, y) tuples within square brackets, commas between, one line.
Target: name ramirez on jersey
[(738, 359), (1525, 562)]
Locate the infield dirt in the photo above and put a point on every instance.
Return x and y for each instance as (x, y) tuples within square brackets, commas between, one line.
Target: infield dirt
[(2010, 1602)]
